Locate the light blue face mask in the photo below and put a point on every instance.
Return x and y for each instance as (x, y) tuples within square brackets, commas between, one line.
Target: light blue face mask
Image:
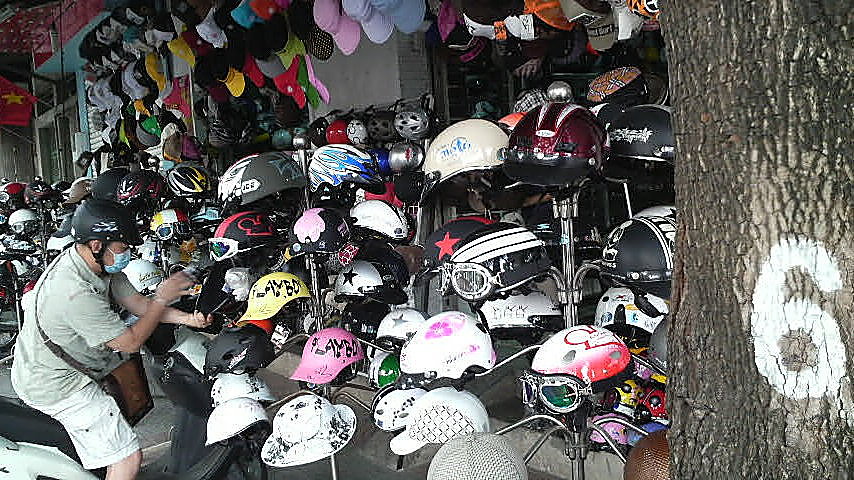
[(120, 261), (166, 165)]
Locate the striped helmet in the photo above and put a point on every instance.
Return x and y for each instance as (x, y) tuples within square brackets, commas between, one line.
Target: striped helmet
[(639, 253)]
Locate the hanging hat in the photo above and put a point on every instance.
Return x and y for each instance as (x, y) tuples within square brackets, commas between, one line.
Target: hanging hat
[(264, 8), (256, 41), (210, 32), (251, 70), (378, 26), (244, 15), (344, 30), (182, 50), (152, 67), (407, 15)]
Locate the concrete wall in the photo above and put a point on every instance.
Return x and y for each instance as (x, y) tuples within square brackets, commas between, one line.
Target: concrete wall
[(16, 154)]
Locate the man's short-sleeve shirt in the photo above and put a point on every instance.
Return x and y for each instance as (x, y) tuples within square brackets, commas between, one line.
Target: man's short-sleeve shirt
[(74, 310)]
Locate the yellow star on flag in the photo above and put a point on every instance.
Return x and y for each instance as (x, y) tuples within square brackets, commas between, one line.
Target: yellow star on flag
[(13, 98)]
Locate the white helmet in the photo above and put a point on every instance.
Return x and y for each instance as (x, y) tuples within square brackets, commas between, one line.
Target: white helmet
[(357, 132), (531, 310), (617, 311), (380, 219), (233, 417), (24, 221), (668, 211), (438, 416), (144, 275), (192, 345), (59, 243), (228, 386), (369, 280), (445, 346), (392, 407), (464, 146), (398, 325), (307, 429), (149, 250)]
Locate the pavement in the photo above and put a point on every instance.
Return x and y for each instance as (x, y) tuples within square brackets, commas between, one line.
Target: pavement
[(368, 456)]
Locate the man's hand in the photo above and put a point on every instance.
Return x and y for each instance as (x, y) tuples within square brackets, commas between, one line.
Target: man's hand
[(173, 288), (198, 320)]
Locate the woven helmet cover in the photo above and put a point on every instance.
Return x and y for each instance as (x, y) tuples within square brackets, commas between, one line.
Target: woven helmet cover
[(476, 456), (649, 459)]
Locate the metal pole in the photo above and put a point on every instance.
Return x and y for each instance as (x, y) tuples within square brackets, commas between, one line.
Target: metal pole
[(302, 143), (562, 209)]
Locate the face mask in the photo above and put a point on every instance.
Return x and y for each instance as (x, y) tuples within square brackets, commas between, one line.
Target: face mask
[(120, 261), (166, 165)]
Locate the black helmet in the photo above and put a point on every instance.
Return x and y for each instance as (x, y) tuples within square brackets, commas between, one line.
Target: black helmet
[(496, 258), (363, 319), (267, 174), (242, 232), (380, 252), (61, 186), (441, 244), (319, 230), (238, 350), (189, 181), (657, 352), (317, 131), (362, 280), (141, 188), (37, 192), (639, 253), (643, 132), (106, 221), (107, 183)]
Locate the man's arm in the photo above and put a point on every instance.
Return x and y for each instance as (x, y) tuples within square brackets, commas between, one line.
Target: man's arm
[(138, 305)]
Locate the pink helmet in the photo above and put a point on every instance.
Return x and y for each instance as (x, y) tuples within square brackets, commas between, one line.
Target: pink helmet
[(594, 354), (326, 354), (616, 430)]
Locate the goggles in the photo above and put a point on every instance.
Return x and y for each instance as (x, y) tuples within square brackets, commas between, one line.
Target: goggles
[(223, 248), (4, 197), (168, 231), (25, 226), (471, 281), (555, 393)]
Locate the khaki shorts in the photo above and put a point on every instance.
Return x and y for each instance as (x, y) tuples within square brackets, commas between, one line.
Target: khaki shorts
[(100, 433)]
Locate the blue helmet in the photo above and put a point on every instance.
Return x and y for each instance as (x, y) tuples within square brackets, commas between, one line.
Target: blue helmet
[(337, 164)]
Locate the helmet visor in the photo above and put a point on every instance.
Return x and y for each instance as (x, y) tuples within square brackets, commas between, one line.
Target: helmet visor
[(222, 248)]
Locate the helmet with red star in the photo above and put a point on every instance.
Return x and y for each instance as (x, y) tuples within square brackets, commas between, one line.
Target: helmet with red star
[(442, 243)]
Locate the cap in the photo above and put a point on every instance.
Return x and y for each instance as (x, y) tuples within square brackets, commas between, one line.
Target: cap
[(293, 48), (244, 15), (251, 70), (256, 41), (209, 31), (181, 49), (264, 8), (131, 86), (320, 44), (344, 30), (185, 12), (602, 33), (407, 15), (178, 99), (377, 26), (152, 67), (172, 147), (288, 83), (300, 19), (276, 33), (234, 81), (487, 12), (477, 456), (198, 45), (271, 67)]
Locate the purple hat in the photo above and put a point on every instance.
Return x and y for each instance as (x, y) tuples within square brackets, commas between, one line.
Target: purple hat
[(378, 27), (407, 15), (344, 30)]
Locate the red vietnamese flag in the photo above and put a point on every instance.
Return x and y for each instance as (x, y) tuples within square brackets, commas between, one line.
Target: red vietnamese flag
[(16, 104)]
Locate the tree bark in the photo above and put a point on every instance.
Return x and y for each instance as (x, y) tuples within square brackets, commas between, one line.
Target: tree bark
[(761, 343)]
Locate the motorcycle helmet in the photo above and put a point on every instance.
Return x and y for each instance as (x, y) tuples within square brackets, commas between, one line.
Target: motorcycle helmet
[(171, 224), (363, 281), (405, 157), (380, 126), (412, 124), (228, 385), (384, 369), (441, 244), (37, 192), (192, 346), (337, 164), (105, 185), (141, 189), (240, 233), (24, 222), (362, 319), (657, 352), (617, 431), (522, 315), (644, 8), (236, 416), (189, 181), (271, 293), (639, 253), (391, 407), (653, 406), (327, 354), (336, 132), (494, 259), (668, 211), (438, 416), (398, 326), (143, 275), (383, 162), (593, 354), (79, 190), (307, 429), (381, 220), (554, 145), (357, 132), (379, 252), (239, 350), (317, 131), (625, 397), (106, 221), (463, 147), (643, 132), (448, 345), (259, 176), (12, 195), (510, 120), (619, 312), (319, 230)]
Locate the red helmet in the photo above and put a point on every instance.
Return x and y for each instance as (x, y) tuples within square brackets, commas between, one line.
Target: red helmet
[(141, 187), (12, 194), (336, 132), (555, 144), (593, 354), (653, 405), (241, 232)]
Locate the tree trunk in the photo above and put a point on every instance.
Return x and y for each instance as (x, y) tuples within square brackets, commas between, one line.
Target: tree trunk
[(761, 344)]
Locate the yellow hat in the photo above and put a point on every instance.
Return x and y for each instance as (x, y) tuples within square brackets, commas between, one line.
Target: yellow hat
[(182, 50), (272, 292), (152, 67), (235, 82)]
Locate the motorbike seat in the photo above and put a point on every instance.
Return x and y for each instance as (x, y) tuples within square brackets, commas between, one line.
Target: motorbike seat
[(21, 423)]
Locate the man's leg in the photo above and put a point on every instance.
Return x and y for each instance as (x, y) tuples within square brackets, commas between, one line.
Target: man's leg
[(125, 469)]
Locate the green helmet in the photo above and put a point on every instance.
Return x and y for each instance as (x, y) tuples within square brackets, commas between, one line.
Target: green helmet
[(389, 370)]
